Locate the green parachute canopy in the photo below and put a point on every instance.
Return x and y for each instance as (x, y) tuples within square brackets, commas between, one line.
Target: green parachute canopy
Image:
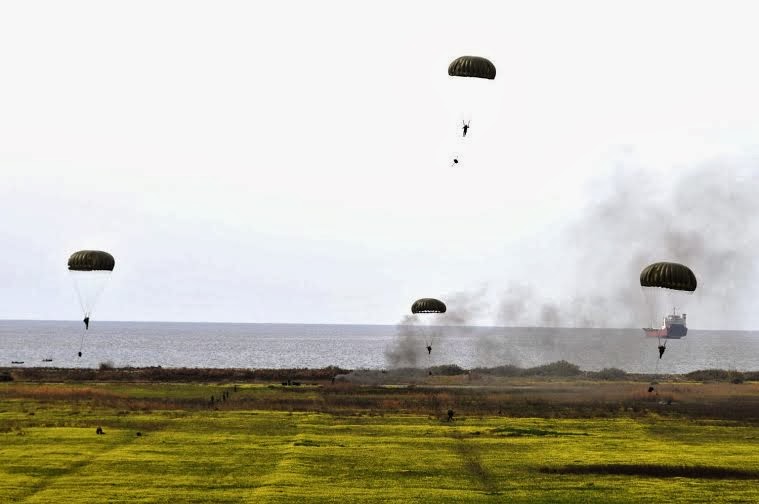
[(428, 305), (668, 275), (91, 260), (472, 66)]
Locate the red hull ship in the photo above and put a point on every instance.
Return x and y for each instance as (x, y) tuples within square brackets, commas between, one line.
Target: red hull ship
[(674, 327)]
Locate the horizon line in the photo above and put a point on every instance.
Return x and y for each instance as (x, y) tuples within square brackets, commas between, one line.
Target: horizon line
[(353, 324)]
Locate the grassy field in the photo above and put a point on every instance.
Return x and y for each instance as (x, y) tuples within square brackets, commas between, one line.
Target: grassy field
[(360, 444)]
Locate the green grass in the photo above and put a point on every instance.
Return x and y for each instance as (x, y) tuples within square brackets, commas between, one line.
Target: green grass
[(50, 453)]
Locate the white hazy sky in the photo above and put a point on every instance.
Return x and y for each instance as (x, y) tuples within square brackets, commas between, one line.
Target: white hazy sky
[(290, 161)]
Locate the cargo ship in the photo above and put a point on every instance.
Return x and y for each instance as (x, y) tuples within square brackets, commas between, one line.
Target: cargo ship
[(674, 327)]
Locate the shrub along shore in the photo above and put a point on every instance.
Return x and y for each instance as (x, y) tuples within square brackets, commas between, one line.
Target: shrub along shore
[(106, 372), (557, 390)]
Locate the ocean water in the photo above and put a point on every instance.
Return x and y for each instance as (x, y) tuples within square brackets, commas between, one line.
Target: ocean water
[(171, 344)]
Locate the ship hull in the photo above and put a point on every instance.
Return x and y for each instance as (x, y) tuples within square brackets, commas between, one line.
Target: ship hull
[(673, 332)]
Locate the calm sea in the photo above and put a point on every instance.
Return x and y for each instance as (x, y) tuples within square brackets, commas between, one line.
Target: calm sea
[(171, 344)]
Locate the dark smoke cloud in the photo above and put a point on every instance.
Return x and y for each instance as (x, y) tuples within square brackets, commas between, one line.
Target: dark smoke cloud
[(704, 217), (466, 307), (408, 348)]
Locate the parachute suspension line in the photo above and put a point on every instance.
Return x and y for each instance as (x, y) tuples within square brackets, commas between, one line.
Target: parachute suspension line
[(81, 342), (83, 305), (654, 387), (80, 298), (656, 373), (84, 333), (428, 338), (428, 345)]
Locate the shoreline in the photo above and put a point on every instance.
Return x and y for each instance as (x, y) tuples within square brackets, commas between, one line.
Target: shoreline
[(561, 370)]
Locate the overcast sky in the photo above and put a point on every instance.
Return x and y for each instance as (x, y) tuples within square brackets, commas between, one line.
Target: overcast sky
[(291, 161)]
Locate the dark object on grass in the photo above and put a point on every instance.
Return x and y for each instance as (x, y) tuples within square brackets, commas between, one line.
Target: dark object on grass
[(450, 415), (99, 431), (656, 471), (139, 433), (650, 389)]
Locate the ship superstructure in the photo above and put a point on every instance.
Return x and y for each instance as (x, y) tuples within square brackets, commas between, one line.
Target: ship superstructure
[(673, 327)]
